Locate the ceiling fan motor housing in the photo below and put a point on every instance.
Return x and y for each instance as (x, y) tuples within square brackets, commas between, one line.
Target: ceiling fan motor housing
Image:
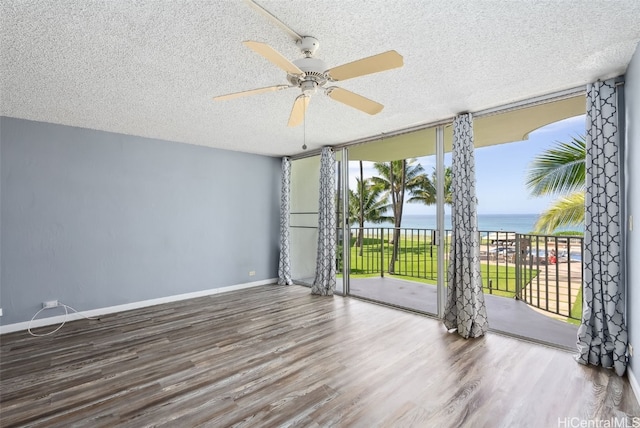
[(314, 71)]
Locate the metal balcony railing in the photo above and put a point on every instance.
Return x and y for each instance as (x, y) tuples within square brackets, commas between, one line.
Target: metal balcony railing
[(544, 271)]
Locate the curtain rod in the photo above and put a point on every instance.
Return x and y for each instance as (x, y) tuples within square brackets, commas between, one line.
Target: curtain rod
[(529, 102)]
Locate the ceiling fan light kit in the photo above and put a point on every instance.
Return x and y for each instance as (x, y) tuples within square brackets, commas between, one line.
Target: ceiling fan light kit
[(310, 73)]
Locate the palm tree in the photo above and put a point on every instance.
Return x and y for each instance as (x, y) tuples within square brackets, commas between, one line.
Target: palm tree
[(366, 205), (396, 178), (560, 171), (426, 191)]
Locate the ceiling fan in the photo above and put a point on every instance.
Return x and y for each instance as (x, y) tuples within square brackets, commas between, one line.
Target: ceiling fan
[(310, 74)]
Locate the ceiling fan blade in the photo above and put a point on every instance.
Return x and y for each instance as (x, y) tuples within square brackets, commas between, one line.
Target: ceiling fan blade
[(251, 92), (373, 64), (274, 56), (299, 108), (354, 100)]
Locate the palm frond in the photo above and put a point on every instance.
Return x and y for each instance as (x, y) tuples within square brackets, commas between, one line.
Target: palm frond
[(566, 211), (425, 190), (374, 203), (558, 170)]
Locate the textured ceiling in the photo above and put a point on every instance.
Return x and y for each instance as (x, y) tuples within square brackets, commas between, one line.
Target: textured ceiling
[(150, 68)]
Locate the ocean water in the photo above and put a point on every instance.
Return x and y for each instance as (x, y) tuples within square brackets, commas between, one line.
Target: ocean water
[(519, 223)]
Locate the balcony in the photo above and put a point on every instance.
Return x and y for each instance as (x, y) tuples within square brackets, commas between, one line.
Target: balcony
[(532, 283)]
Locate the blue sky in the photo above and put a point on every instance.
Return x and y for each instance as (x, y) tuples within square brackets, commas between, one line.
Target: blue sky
[(501, 171)]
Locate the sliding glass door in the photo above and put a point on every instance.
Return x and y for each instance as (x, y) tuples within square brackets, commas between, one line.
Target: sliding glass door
[(394, 246)]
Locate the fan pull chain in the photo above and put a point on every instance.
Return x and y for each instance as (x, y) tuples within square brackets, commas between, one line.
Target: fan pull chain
[(304, 128)]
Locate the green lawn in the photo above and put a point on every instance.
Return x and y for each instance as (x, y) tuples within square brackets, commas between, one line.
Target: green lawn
[(417, 261)]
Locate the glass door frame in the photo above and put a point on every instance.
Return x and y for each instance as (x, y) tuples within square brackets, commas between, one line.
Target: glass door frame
[(440, 228), (344, 228)]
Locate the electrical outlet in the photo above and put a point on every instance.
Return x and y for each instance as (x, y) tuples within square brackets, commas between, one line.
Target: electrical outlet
[(630, 350), (50, 304), (252, 273)]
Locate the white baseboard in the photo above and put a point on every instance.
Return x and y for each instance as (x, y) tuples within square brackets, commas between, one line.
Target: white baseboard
[(635, 387), (9, 328)]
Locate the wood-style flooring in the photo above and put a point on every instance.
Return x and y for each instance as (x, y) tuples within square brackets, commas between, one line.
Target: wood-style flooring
[(278, 356)]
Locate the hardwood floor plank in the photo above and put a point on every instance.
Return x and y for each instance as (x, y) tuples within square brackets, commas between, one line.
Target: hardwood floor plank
[(278, 356)]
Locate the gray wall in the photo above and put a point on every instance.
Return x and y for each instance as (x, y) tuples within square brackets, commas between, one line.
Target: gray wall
[(632, 183), (96, 219)]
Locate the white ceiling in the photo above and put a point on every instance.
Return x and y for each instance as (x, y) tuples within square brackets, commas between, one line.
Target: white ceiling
[(150, 68)]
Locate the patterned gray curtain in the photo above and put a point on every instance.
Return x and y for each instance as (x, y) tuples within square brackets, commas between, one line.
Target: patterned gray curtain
[(284, 267), (602, 335), (465, 310), (325, 280)]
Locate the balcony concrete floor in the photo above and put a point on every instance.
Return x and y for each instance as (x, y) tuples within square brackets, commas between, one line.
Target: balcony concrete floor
[(506, 315)]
